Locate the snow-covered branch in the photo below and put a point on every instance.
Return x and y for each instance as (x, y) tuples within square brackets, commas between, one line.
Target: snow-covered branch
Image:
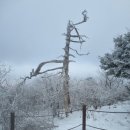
[(38, 69), (84, 13)]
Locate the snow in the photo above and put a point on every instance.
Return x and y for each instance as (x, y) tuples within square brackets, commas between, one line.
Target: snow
[(108, 121)]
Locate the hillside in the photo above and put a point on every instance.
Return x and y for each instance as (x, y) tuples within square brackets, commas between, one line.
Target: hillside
[(108, 121)]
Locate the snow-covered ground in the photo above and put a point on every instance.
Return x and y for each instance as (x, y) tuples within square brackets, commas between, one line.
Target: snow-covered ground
[(108, 121)]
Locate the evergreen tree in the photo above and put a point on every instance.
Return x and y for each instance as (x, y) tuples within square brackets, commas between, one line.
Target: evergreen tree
[(118, 62)]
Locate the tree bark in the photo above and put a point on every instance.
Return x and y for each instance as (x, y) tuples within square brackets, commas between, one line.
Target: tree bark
[(66, 70)]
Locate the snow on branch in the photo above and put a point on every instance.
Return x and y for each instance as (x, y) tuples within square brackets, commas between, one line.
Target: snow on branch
[(81, 41), (80, 37), (76, 38), (29, 77), (84, 13), (38, 71), (50, 75), (51, 70), (42, 64)]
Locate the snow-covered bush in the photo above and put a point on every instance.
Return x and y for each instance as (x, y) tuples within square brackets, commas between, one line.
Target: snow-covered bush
[(85, 91), (33, 123), (104, 90)]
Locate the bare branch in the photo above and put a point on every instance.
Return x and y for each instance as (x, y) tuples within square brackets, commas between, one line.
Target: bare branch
[(71, 61), (35, 74), (77, 41), (76, 30), (24, 79), (43, 63), (78, 36), (72, 55), (38, 69), (78, 52), (50, 70), (81, 40), (84, 13), (75, 35)]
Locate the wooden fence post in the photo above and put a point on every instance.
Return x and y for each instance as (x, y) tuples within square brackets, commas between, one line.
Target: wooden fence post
[(12, 121), (84, 117)]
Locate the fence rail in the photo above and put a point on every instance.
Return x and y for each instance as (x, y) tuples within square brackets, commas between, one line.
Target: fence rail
[(116, 112), (110, 112), (96, 127)]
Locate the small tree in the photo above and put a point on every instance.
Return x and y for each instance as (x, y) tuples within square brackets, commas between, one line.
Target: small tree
[(118, 62)]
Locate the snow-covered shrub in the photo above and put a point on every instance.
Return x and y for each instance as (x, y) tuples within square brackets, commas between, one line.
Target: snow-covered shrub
[(96, 92), (33, 123), (85, 91)]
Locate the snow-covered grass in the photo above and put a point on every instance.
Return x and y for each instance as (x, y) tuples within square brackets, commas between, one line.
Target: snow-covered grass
[(108, 121)]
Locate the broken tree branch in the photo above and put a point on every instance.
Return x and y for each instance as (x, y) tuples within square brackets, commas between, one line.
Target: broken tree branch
[(78, 52), (79, 36), (57, 68), (72, 55), (81, 40), (77, 41), (38, 73), (43, 63), (84, 13), (38, 69), (76, 36)]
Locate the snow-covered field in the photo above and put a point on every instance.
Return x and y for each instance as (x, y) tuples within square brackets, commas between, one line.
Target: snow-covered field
[(108, 121)]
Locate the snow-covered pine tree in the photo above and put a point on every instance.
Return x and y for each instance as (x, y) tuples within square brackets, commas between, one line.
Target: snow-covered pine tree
[(118, 62)]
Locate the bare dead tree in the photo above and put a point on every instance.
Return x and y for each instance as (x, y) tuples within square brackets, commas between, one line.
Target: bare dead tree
[(70, 38)]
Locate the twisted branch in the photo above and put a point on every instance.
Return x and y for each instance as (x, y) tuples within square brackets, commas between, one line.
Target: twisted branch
[(42, 64), (38, 71), (84, 13), (29, 77)]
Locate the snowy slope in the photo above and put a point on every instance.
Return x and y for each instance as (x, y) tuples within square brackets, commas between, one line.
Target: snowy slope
[(108, 121)]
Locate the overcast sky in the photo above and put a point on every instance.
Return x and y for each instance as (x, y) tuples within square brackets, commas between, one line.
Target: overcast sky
[(31, 31)]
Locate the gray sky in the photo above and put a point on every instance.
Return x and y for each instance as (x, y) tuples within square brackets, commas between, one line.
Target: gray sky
[(31, 31)]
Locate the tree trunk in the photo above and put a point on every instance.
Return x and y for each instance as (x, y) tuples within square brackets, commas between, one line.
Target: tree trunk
[(66, 70)]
